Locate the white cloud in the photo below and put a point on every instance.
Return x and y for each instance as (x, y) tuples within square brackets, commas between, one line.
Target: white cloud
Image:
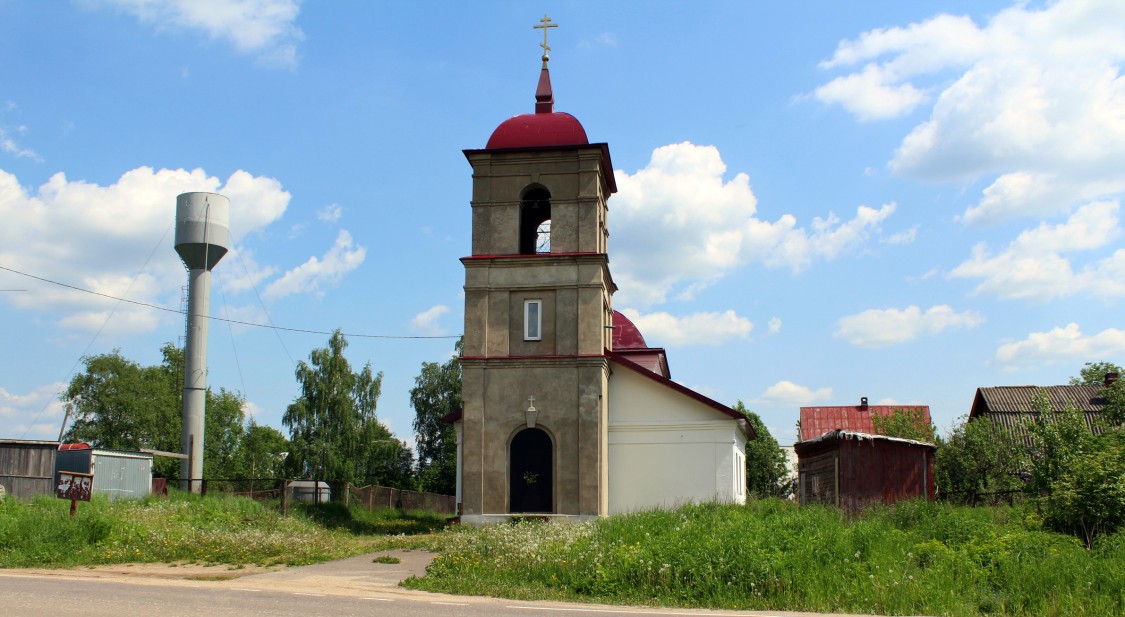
[(96, 237), (1033, 96), (695, 329), (903, 237), (35, 415), (679, 227), (877, 328), (1033, 266), (252, 410), (868, 95), (317, 273), (9, 145), (1061, 345), (262, 27), (788, 394), (330, 213), (427, 320), (774, 325)]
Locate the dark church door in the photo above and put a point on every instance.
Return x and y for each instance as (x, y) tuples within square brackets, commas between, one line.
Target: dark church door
[(531, 487)]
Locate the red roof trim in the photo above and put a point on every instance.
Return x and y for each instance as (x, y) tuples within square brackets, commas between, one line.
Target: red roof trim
[(538, 357), (452, 417), (532, 256), (717, 406)]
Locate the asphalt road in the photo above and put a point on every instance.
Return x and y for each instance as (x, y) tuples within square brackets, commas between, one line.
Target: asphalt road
[(348, 587)]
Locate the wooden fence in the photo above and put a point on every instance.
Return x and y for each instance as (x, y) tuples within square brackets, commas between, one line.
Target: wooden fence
[(381, 497)]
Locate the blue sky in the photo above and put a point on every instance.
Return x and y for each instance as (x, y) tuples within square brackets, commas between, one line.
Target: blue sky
[(818, 200)]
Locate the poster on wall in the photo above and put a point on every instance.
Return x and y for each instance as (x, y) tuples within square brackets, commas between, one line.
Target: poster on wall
[(74, 486)]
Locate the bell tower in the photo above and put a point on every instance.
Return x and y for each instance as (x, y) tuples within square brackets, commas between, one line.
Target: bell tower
[(538, 312)]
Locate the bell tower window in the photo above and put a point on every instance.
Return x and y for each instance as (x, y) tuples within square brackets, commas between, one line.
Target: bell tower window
[(532, 320), (535, 222)]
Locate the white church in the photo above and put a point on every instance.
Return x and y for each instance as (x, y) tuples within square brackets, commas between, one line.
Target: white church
[(568, 413)]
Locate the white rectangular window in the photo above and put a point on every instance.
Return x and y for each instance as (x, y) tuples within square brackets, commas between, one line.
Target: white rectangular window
[(532, 320)]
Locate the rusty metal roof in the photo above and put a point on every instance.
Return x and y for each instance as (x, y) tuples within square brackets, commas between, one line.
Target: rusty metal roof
[(816, 421)]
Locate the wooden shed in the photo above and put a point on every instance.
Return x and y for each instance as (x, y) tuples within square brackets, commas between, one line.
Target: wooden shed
[(851, 469), (27, 468)]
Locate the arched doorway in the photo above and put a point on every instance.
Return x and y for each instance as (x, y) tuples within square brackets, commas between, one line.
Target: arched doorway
[(531, 472)]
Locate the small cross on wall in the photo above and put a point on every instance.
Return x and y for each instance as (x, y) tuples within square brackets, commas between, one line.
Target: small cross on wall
[(532, 412)]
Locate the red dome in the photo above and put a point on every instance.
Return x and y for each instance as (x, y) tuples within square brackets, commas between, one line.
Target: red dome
[(625, 334), (531, 130)]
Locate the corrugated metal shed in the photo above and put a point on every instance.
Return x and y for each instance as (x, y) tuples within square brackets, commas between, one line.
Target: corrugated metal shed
[(816, 421), (117, 473), (853, 469), (27, 468), (1012, 407)]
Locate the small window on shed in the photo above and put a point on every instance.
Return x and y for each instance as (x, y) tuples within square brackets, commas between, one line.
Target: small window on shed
[(535, 222)]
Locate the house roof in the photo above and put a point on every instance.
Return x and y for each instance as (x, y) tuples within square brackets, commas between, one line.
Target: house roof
[(840, 435), (624, 361), (1013, 407), (816, 421), (629, 342)]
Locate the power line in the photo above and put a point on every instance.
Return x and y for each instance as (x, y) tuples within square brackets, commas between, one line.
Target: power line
[(232, 321), (95, 337)]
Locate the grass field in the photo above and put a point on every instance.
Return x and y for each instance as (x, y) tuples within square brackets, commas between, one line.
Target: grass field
[(188, 528), (913, 558)]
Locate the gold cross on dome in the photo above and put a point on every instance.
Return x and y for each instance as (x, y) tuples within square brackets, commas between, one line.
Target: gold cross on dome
[(546, 23)]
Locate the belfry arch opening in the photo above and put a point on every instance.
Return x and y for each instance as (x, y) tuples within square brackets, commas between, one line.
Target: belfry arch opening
[(535, 221), (531, 473)]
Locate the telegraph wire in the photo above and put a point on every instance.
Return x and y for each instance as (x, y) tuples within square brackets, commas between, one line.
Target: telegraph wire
[(93, 339), (232, 321)]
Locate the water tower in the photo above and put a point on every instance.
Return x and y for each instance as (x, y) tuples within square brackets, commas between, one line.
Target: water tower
[(202, 238)]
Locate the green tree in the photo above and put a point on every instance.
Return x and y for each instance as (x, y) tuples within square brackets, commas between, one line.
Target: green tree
[(115, 403), (334, 432), (1056, 440), (262, 452), (1088, 497), (1093, 373), (766, 463), (436, 394), (977, 461), (906, 423), (118, 404)]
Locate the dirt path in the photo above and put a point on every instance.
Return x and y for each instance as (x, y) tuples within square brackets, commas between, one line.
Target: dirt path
[(352, 575)]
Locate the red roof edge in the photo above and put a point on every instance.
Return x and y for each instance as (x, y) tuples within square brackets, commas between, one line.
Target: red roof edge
[(452, 417), (717, 406), (531, 255)]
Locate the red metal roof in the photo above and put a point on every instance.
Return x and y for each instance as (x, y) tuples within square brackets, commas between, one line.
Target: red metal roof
[(816, 421), (545, 127), (531, 130), (625, 334)]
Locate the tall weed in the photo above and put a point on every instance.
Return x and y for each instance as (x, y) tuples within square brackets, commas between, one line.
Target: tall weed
[(913, 558), (185, 527)]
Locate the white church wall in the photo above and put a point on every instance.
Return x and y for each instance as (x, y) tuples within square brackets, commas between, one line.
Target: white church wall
[(667, 449)]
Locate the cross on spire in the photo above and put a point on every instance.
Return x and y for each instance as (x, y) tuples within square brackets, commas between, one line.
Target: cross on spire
[(545, 24)]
